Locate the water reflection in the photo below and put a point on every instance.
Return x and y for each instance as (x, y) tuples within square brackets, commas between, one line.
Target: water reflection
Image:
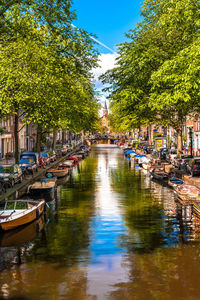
[(111, 233)]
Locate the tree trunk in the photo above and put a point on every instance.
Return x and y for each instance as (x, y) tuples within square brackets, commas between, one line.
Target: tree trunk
[(179, 140), (82, 136), (16, 136), (63, 137), (54, 139), (70, 137), (150, 135), (38, 141), (139, 132)]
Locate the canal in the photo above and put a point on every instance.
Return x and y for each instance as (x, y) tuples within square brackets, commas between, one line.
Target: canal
[(111, 233)]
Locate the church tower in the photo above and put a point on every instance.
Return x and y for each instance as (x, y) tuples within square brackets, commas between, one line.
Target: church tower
[(104, 119), (105, 110)]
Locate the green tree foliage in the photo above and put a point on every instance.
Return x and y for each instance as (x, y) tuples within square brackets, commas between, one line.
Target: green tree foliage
[(46, 66), (151, 60)]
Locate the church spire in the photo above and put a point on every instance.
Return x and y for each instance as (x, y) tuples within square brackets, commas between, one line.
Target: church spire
[(105, 110), (105, 106)]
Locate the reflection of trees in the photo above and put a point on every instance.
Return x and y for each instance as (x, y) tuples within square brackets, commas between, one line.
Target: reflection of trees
[(143, 214), (66, 237), (169, 273), (44, 281)]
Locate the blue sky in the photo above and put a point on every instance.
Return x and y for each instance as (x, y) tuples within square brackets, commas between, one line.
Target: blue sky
[(108, 19)]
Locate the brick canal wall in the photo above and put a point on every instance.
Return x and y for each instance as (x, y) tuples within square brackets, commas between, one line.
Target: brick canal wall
[(21, 188)]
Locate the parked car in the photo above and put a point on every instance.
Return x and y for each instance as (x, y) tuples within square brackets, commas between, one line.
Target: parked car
[(155, 154), (58, 151), (11, 174), (182, 160), (163, 153), (64, 150), (30, 155), (69, 147), (193, 166), (148, 149), (171, 155), (46, 158), (28, 165), (52, 156)]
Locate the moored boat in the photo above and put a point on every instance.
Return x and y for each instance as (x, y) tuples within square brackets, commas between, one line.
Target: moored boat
[(159, 174), (59, 172), (16, 213), (139, 159), (174, 182), (49, 179), (67, 164), (41, 187), (188, 192), (145, 162), (74, 158), (79, 156)]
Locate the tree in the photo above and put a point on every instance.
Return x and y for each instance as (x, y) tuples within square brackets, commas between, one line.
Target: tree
[(45, 67), (168, 27)]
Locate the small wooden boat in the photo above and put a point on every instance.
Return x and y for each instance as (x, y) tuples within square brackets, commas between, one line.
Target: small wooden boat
[(49, 179), (174, 182), (41, 187), (74, 158), (16, 213), (146, 166), (59, 172), (83, 153), (67, 164), (187, 192), (144, 162), (159, 174), (79, 156)]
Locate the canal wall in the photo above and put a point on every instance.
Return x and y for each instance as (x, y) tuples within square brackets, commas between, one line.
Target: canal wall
[(19, 189)]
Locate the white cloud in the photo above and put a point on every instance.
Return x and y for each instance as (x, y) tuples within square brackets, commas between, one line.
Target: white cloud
[(106, 62)]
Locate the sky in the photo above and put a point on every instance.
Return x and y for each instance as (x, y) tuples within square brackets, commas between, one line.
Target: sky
[(109, 20)]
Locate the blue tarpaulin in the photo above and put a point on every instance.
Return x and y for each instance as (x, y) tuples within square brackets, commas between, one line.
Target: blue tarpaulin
[(129, 152)]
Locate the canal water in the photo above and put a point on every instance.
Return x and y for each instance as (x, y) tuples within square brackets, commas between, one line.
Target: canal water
[(111, 233)]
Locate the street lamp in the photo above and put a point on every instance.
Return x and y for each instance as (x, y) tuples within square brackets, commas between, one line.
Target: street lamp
[(190, 136)]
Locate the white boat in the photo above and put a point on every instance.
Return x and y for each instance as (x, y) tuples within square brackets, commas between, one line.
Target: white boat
[(67, 163), (59, 172), (41, 187), (145, 162), (187, 192), (15, 213)]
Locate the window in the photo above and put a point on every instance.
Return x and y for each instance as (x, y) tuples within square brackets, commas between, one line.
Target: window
[(4, 169), (10, 205), (21, 205), (2, 205)]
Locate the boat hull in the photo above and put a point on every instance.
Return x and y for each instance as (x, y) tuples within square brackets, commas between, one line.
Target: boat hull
[(59, 173), (160, 177), (39, 191), (28, 217)]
